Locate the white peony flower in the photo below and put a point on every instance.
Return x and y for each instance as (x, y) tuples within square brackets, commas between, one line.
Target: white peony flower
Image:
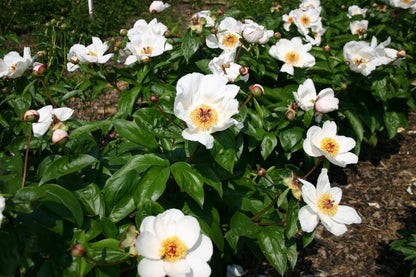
[(224, 65), (304, 20), (404, 4), (13, 65), (2, 206), (228, 35), (171, 244), (293, 53), (307, 99), (93, 53), (306, 4), (255, 33), (206, 14), (356, 10), (323, 204), (146, 45), (359, 27), (46, 118), (361, 57), (235, 271), (141, 27), (288, 20), (206, 104), (318, 31), (325, 142), (158, 6)]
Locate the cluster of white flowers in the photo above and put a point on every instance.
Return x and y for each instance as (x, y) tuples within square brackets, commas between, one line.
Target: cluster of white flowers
[(358, 27), (364, 57), (93, 53), (13, 65), (47, 116), (307, 19)]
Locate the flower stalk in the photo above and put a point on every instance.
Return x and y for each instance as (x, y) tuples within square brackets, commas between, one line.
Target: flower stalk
[(47, 92), (26, 158)]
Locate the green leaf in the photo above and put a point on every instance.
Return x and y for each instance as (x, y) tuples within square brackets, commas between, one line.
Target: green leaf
[(190, 44), (127, 100), (189, 181), (63, 196), (107, 251), (242, 225), (392, 122), (29, 194), (92, 199), (109, 228), (272, 244), (290, 137), (307, 238), (356, 124), (224, 150), (90, 127), (132, 132), (203, 66), (268, 143), (122, 208), (151, 185), (66, 165), (292, 218)]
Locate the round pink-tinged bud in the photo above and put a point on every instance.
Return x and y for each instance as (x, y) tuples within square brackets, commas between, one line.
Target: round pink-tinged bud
[(41, 54), (167, 34), (74, 59), (214, 30), (220, 12), (347, 63), (62, 10), (277, 35), (53, 21), (257, 90), (5, 90), (401, 53), (343, 86), (290, 114), (77, 1), (244, 70), (123, 32), (261, 172), (375, 5), (342, 6), (154, 98), (47, 24), (31, 116), (59, 137), (327, 48), (39, 69), (144, 59), (118, 44), (78, 250)]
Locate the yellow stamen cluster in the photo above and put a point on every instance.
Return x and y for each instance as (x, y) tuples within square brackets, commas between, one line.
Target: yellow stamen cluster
[(172, 249), (230, 40), (147, 50), (204, 117), (330, 146), (305, 19), (407, 1), (326, 204), (359, 61), (91, 53), (292, 57), (12, 67), (290, 20)]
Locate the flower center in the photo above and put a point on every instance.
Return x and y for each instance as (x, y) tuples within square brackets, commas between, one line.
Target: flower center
[(147, 50), (326, 203), (91, 53), (359, 61), (12, 67), (290, 20), (292, 57), (230, 40), (330, 146), (305, 19), (224, 68), (407, 1), (172, 249), (204, 117)]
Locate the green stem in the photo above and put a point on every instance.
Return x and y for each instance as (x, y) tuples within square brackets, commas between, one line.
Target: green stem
[(245, 102), (103, 263), (322, 158), (193, 154), (47, 92), (266, 209), (170, 119), (26, 158)]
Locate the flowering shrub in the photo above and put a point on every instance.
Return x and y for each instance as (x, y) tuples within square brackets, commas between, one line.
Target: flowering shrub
[(212, 148)]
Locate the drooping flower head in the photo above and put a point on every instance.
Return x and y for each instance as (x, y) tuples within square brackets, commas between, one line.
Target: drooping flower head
[(13, 65), (206, 104), (293, 53), (356, 10), (323, 204), (171, 244), (325, 142), (46, 118)]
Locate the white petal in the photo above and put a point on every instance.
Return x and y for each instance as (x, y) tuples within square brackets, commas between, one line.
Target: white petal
[(345, 143), (346, 215), (198, 268), (148, 245), (344, 159), (177, 269), (206, 139), (322, 185), (63, 113), (329, 129), (308, 193), (40, 128), (202, 249), (308, 219), (336, 193), (147, 224), (188, 230), (332, 226), (288, 68), (165, 223), (151, 268)]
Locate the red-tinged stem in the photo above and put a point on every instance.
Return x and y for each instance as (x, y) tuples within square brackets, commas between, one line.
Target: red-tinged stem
[(47, 92), (26, 158), (245, 103), (170, 119), (103, 263), (322, 158), (238, 53), (266, 209)]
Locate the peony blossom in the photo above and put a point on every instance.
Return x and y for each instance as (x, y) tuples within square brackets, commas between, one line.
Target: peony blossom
[(158, 6), (171, 244), (293, 53), (307, 99), (356, 10), (224, 65), (288, 20), (255, 33), (146, 45), (403, 4), (206, 14), (206, 104), (306, 4), (304, 20), (2, 206), (228, 35), (359, 27), (13, 65), (323, 204), (325, 142), (93, 53), (46, 115), (141, 27)]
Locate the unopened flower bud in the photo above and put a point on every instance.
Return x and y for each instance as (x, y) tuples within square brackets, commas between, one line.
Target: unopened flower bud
[(347, 63), (78, 250), (5, 90), (413, 82), (31, 116), (64, 26), (214, 30), (252, 34), (220, 12), (39, 69), (53, 21), (277, 35), (167, 34), (41, 54), (154, 98), (401, 53), (327, 48), (343, 86), (244, 70), (59, 137), (290, 114), (261, 172), (257, 90), (375, 5), (74, 59), (144, 59), (342, 6), (123, 32)]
